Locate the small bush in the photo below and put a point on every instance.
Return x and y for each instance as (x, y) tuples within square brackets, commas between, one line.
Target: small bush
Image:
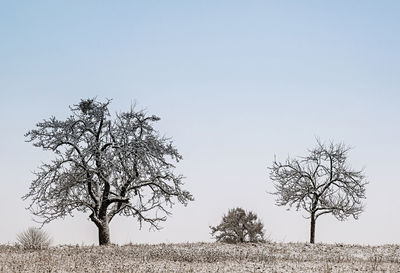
[(239, 226), (33, 238)]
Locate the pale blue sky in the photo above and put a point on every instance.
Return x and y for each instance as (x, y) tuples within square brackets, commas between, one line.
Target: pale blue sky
[(234, 82)]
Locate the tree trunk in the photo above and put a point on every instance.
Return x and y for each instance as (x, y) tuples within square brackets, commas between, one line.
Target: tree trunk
[(312, 228), (104, 233)]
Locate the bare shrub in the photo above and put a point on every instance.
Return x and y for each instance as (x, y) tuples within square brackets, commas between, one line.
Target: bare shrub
[(33, 238), (239, 226)]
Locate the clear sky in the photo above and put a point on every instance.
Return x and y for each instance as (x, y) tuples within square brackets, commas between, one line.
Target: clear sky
[(235, 83)]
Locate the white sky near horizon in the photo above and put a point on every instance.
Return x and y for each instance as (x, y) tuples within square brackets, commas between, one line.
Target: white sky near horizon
[(234, 82)]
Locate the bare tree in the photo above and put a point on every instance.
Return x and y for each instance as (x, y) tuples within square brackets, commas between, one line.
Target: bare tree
[(105, 166), (239, 226), (320, 183)]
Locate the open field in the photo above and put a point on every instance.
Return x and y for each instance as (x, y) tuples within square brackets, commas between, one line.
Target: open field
[(204, 257)]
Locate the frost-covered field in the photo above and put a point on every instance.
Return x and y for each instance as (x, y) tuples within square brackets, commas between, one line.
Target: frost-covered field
[(204, 257)]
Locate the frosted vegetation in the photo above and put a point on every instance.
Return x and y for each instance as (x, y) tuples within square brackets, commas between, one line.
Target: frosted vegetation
[(108, 165), (239, 226), (33, 238), (204, 257)]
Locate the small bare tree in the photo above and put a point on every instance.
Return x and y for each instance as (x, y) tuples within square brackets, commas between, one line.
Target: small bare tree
[(239, 226), (105, 166), (320, 183)]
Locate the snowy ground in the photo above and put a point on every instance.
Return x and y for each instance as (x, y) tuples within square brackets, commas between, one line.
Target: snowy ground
[(204, 257)]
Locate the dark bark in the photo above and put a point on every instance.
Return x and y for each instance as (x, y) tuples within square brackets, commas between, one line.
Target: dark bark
[(104, 233), (312, 229)]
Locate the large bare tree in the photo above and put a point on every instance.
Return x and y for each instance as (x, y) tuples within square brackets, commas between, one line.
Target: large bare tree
[(106, 166), (320, 183)]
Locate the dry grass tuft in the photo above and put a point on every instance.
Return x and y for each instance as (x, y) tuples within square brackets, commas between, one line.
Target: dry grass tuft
[(34, 239)]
